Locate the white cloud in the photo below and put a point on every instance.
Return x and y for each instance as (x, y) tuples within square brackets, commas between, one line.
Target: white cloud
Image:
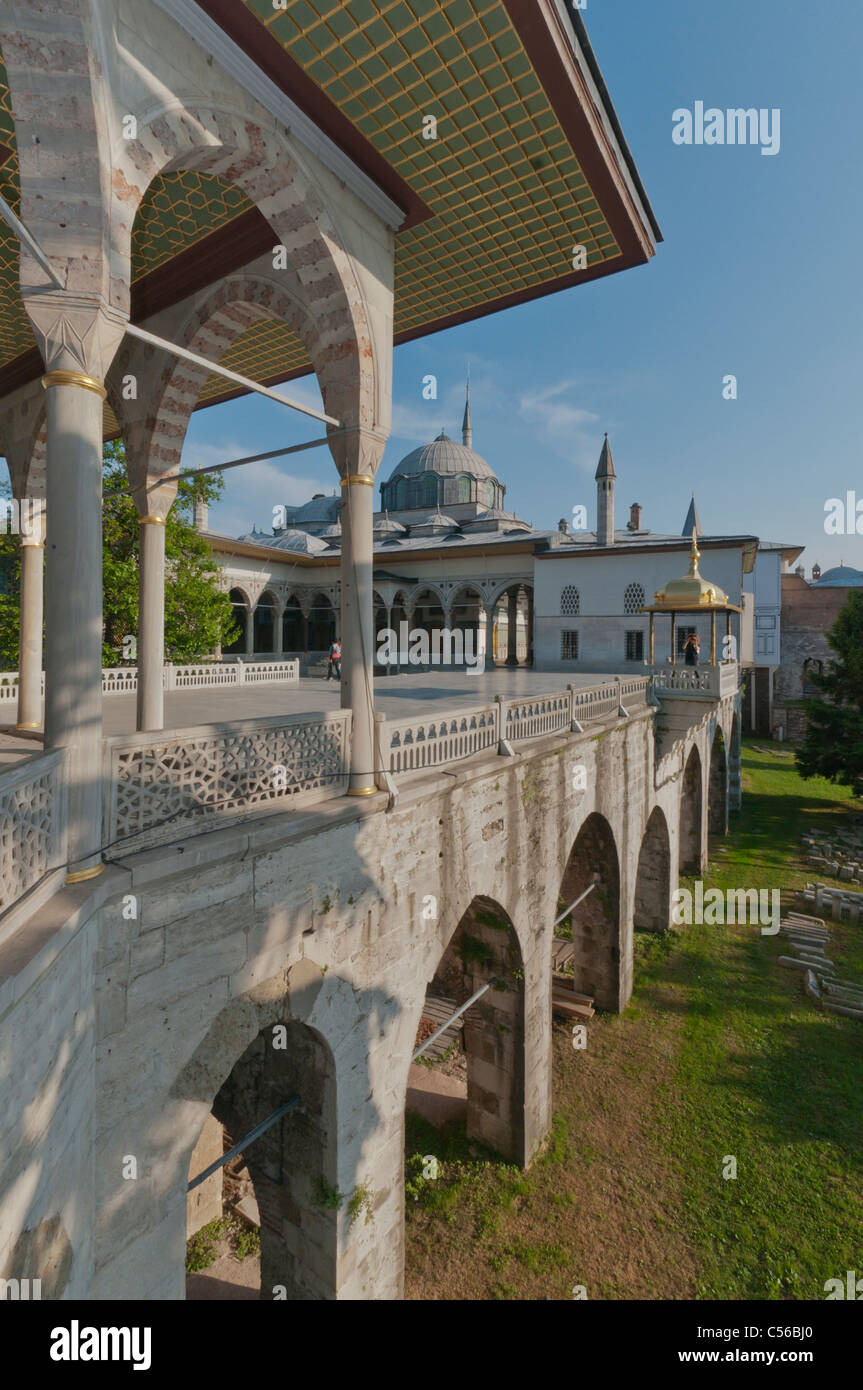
[(571, 429), (251, 492)]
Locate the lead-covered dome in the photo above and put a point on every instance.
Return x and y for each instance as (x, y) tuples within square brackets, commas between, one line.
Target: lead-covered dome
[(441, 475), (842, 577)]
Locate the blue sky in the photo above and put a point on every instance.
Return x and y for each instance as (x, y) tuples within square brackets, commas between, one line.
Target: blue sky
[(759, 275)]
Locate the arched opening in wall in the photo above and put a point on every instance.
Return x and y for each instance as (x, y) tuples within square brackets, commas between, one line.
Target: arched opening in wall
[(717, 792), (398, 615), (467, 616), (265, 623), (381, 623), (430, 618), (690, 816), (653, 877), (594, 924), (322, 624), (272, 1203), (477, 1074), (240, 610), (513, 626), (293, 628)]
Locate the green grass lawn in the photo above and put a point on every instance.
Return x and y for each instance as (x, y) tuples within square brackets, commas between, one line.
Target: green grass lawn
[(720, 1055)]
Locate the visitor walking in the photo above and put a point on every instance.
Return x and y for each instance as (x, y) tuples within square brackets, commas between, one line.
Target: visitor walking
[(691, 649), (334, 663)]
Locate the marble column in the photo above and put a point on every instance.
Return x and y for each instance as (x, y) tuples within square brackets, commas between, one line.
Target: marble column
[(358, 453), (151, 623), (30, 618), (250, 633), (512, 628), (278, 631), (78, 336)]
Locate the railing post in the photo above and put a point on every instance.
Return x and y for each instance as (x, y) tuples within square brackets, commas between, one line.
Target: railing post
[(170, 676), (241, 672), (574, 726)]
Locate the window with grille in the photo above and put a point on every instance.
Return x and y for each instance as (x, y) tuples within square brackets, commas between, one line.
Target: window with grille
[(635, 646), (682, 634), (569, 646), (633, 598), (570, 604)]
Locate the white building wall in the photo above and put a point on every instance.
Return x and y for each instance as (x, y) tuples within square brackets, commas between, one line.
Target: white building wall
[(601, 581)]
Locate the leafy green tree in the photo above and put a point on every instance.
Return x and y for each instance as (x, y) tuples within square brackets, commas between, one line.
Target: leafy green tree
[(833, 745), (198, 614), (10, 570)]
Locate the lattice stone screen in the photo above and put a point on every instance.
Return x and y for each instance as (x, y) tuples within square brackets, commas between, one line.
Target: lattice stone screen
[(32, 824), (162, 786), (570, 601)]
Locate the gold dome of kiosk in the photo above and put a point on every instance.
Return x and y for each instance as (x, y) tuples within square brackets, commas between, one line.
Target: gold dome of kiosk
[(690, 594), (691, 591)]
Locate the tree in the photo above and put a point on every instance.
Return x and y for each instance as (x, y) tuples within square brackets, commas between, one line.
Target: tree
[(833, 744), (10, 575), (198, 614)]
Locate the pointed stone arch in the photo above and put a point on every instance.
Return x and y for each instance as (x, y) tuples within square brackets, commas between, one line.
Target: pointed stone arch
[(595, 922), (691, 853), (652, 910)]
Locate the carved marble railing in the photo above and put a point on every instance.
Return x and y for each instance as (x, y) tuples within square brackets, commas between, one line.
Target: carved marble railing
[(714, 682), (165, 786), (410, 744), (32, 824), (544, 714), (123, 680)]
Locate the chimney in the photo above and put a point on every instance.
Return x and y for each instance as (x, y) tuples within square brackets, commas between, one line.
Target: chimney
[(563, 525), (605, 476), (634, 522), (201, 514)]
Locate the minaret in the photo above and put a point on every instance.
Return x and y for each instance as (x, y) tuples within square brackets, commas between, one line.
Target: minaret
[(466, 426), (693, 520), (605, 476)]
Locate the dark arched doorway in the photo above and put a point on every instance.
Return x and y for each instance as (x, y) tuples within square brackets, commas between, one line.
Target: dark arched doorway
[(653, 877), (690, 816), (717, 793), (595, 922)]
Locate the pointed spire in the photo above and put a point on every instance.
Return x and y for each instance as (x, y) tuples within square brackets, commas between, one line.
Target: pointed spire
[(605, 467), (693, 521), (466, 426)]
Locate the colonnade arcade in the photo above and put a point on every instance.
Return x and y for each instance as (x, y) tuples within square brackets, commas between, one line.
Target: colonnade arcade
[(335, 295)]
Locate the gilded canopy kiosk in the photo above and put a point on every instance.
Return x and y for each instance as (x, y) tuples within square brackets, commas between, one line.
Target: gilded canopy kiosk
[(691, 594)]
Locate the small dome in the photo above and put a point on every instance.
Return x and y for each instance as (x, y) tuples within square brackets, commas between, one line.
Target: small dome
[(385, 527), (298, 541), (691, 591), (842, 577), (319, 509)]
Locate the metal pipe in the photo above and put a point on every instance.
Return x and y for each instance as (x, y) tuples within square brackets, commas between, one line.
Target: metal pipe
[(30, 242), (244, 1142), (217, 467), (146, 337), (588, 889), (458, 1013)]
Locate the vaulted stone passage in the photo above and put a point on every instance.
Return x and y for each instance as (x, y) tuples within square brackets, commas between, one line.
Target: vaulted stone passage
[(653, 879), (717, 793), (596, 920), (691, 858), (484, 946), (292, 1165)]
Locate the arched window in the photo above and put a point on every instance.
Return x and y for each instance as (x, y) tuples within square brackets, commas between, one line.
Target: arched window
[(633, 598), (570, 603), (462, 493), (490, 494), (811, 666), (429, 493), (399, 494)]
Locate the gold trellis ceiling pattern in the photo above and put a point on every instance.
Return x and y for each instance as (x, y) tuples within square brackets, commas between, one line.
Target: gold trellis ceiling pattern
[(506, 195)]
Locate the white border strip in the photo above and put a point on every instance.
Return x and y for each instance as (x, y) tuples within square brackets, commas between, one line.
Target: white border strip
[(245, 71)]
